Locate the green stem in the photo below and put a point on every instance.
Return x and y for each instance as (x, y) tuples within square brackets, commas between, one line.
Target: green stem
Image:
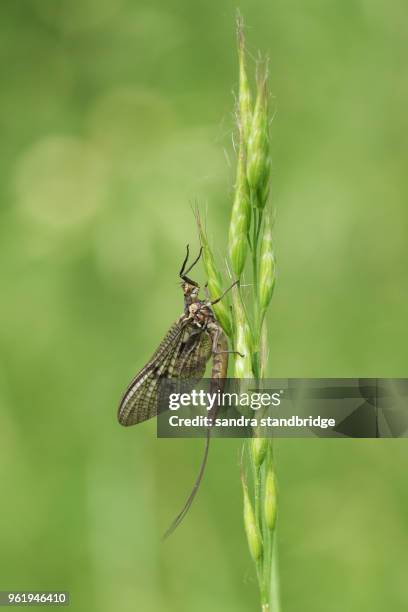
[(274, 595), (255, 336), (262, 588), (259, 225), (254, 165), (271, 557), (255, 255), (257, 488)]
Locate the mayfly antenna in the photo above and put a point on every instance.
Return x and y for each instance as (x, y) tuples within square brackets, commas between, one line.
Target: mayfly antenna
[(183, 272)]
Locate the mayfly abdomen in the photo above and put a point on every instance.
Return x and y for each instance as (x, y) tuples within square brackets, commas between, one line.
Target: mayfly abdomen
[(220, 359)]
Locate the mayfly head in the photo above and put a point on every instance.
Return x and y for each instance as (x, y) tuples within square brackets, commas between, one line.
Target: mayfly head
[(191, 290)]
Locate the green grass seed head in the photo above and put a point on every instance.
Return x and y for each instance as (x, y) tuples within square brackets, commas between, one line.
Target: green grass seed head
[(240, 217), (251, 527), (270, 500), (242, 365), (214, 280), (267, 267), (244, 97), (258, 161), (259, 448)]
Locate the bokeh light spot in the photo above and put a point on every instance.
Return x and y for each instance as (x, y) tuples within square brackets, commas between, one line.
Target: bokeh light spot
[(127, 123), (61, 181)]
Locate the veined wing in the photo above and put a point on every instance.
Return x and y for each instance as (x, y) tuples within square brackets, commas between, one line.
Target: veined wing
[(193, 358), (139, 402)]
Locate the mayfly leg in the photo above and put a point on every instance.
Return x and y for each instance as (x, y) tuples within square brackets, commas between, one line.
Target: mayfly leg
[(207, 294)]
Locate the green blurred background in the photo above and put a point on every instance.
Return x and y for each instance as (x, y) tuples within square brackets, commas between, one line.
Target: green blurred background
[(115, 116)]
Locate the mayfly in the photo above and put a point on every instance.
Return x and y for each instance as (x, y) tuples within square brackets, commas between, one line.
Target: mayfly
[(191, 341)]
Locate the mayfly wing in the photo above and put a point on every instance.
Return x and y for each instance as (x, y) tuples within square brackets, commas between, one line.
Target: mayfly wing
[(193, 359), (189, 367), (139, 402)]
